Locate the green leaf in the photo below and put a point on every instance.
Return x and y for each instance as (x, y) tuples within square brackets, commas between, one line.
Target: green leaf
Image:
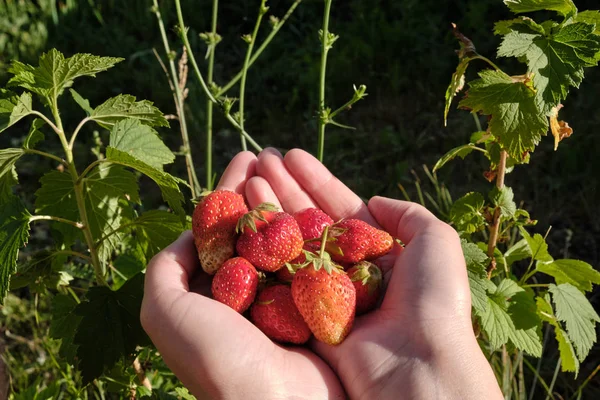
[(64, 324), (563, 7), (537, 246), (555, 59), (8, 175), (35, 135), (476, 261), (461, 151), (591, 17), (83, 103), (128, 264), (156, 230), (38, 272), (496, 323), (504, 198), (110, 326), (574, 309), (123, 107), (55, 73), (515, 118), (13, 107), (141, 142), (14, 233), (169, 185), (456, 85), (467, 213), (578, 273), (505, 27), (519, 251)]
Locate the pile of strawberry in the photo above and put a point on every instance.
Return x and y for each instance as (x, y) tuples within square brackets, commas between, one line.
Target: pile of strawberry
[(299, 275)]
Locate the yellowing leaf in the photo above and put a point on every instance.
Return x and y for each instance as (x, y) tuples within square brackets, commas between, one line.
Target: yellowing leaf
[(560, 129)]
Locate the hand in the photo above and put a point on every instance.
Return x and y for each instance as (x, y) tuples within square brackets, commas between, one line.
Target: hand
[(418, 344)]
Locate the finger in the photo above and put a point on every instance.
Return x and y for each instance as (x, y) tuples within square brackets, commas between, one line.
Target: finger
[(290, 194), (259, 191), (331, 195), (241, 168)]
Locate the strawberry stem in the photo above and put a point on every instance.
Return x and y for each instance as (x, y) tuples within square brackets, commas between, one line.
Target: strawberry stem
[(323, 241)]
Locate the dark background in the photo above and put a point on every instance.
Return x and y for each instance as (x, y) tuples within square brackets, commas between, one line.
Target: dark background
[(402, 50)]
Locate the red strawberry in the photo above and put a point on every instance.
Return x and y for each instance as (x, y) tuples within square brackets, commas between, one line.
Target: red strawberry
[(312, 221), (213, 225), (356, 240), (235, 284), (367, 280), (269, 238), (285, 275), (326, 300), (275, 313)]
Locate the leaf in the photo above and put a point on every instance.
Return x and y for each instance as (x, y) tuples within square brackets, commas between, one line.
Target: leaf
[(537, 246), (578, 273), (519, 251), (167, 183), (461, 151), (555, 59), (38, 272), (456, 85), (110, 326), (591, 17), (515, 118), (504, 198), (563, 7), (14, 233), (7, 181), (123, 107), (476, 260), (496, 323), (8, 158), (83, 103), (156, 229), (35, 135), (13, 108), (128, 264), (56, 73), (63, 325), (467, 213), (579, 316)]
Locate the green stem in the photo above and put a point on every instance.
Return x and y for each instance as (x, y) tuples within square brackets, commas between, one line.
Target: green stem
[(487, 60), (57, 219), (91, 167), (495, 227), (211, 97), (76, 132), (324, 51), (44, 154), (209, 104), (553, 379), (109, 234), (262, 47), (179, 104), (46, 120), (245, 67)]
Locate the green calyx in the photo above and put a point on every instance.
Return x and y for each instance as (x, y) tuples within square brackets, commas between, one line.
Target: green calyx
[(249, 219)]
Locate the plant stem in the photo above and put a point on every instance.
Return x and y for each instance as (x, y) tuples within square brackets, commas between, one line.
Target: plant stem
[(487, 60), (47, 155), (141, 374), (47, 120), (53, 218), (209, 104), (245, 67), (550, 395), (208, 93), (90, 167), (262, 47), (179, 100), (324, 51), (495, 227), (76, 132)]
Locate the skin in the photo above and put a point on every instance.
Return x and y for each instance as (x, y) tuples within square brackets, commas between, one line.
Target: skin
[(418, 345)]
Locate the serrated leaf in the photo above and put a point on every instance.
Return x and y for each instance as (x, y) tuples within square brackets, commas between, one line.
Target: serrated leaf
[(578, 273), (13, 107), (505, 27), (38, 272), (519, 251), (591, 17), (168, 184), (8, 158), (456, 85), (496, 323), (515, 118), (55, 73), (114, 314), (466, 213), (504, 198), (476, 260), (461, 151), (14, 233), (83, 103), (7, 181), (478, 286), (64, 324), (123, 107), (35, 135), (128, 264), (141, 142), (537, 246), (156, 229), (574, 309), (563, 7), (555, 59)]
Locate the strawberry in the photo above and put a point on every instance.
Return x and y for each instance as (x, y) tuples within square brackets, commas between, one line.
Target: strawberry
[(276, 315), (285, 275), (213, 225), (326, 298), (312, 221), (269, 238), (355, 240), (235, 284), (367, 280)]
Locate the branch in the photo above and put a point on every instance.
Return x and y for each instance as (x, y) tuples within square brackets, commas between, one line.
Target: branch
[(495, 227)]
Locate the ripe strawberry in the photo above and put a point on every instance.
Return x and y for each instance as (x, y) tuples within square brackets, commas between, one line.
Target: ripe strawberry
[(367, 280), (284, 274), (356, 240), (213, 225), (326, 300), (275, 313), (312, 221), (269, 238), (235, 284)]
